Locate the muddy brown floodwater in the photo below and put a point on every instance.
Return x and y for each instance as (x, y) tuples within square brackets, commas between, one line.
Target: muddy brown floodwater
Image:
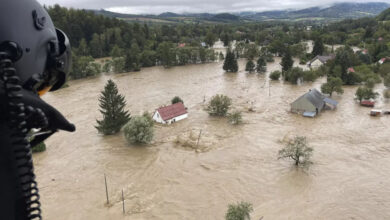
[(349, 178)]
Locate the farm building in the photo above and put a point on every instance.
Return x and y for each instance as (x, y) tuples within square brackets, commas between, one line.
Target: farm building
[(312, 103), (318, 61), (170, 114)]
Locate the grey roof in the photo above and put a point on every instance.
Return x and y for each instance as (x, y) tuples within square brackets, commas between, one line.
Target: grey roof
[(323, 59), (315, 97), (331, 101)]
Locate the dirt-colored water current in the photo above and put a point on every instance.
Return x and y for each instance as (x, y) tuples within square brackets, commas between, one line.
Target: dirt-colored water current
[(349, 177)]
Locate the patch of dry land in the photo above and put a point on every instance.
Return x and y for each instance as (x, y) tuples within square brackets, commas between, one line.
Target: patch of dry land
[(173, 178)]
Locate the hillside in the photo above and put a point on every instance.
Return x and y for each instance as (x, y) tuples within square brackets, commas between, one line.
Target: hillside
[(335, 12)]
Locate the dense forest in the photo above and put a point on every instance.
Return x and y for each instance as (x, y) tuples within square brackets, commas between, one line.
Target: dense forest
[(129, 46)]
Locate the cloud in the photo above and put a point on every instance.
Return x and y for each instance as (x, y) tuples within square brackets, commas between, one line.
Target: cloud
[(182, 6)]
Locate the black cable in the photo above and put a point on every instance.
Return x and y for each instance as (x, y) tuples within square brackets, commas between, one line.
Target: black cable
[(21, 145)]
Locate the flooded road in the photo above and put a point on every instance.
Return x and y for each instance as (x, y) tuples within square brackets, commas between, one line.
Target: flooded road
[(349, 178)]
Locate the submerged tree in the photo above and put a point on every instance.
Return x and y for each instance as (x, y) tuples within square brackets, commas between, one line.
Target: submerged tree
[(250, 66), (219, 105), (297, 150), (318, 48), (112, 106), (334, 84), (239, 211), (235, 118), (261, 66), (139, 130), (287, 61), (176, 99), (365, 93), (230, 64)]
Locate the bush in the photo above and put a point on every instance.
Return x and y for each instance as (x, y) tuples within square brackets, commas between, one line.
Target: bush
[(250, 66), (275, 75), (309, 76), (293, 75), (240, 211), (176, 99), (118, 64), (219, 105), (297, 150), (39, 148), (365, 93), (235, 118), (386, 94), (139, 130)]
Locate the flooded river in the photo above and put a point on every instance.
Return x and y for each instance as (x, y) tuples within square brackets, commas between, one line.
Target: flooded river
[(349, 177)]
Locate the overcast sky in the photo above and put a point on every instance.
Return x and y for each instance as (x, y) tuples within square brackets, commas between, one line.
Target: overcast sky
[(180, 6)]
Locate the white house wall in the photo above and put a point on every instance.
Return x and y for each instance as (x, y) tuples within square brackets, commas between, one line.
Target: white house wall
[(316, 64), (157, 118)]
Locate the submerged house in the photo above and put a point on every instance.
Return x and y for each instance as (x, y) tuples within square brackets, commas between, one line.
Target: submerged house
[(318, 61), (312, 103), (170, 114)]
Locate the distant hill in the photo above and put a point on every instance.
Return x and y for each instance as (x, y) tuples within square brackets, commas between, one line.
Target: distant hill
[(226, 17), (384, 16), (335, 12), (169, 15)]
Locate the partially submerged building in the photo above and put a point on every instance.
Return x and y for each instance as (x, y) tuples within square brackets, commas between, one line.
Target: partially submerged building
[(170, 114), (318, 61), (312, 103)]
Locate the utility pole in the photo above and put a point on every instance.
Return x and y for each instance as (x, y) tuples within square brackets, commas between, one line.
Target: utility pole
[(200, 134), (123, 203), (105, 182)]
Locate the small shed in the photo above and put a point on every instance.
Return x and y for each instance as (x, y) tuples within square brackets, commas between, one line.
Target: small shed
[(170, 114), (312, 101), (330, 103)]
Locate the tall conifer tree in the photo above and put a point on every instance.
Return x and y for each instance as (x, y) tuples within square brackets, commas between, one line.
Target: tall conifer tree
[(230, 64), (112, 106)]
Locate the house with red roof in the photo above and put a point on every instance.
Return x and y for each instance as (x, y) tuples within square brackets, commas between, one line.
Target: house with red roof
[(170, 114), (351, 70)]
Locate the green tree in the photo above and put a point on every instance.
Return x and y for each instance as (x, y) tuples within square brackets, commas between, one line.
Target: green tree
[(334, 84), (82, 50), (386, 81), (250, 66), (297, 150), (318, 48), (364, 93), (210, 39), (139, 130), (230, 64), (118, 64), (293, 75), (235, 118), (219, 105), (176, 99), (287, 61), (84, 66), (112, 106), (275, 75), (116, 52), (95, 46), (239, 211), (261, 66), (166, 54)]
